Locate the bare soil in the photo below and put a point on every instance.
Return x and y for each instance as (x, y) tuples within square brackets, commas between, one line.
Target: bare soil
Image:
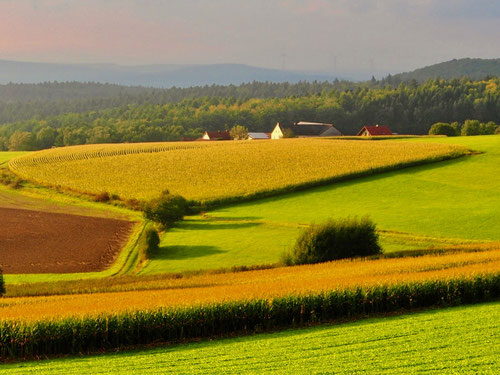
[(47, 242)]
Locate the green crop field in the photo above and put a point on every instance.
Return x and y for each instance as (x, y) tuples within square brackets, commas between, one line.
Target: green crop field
[(436, 205), (454, 340)]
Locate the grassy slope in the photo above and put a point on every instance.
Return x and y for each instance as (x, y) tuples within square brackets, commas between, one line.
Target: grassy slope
[(455, 199), (5, 156), (392, 345)]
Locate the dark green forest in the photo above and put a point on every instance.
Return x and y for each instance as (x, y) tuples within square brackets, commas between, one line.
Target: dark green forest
[(111, 113)]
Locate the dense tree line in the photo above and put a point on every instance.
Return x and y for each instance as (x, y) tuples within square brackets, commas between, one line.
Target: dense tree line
[(407, 109), (25, 101)]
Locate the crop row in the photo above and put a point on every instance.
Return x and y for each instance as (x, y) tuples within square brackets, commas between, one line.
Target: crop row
[(151, 293), (106, 332), (224, 171), (99, 151)]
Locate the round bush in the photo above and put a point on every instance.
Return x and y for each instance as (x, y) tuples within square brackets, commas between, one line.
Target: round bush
[(443, 128), (335, 239)]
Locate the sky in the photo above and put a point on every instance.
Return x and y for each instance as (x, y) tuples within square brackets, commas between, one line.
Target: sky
[(311, 35)]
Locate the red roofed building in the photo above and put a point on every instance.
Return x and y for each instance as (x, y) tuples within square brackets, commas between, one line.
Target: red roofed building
[(219, 135), (374, 130)]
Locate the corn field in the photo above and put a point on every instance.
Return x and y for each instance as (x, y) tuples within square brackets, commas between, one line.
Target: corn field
[(112, 331), (259, 284), (219, 171)]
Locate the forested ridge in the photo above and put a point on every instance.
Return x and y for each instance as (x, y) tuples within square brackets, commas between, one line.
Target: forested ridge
[(160, 115)]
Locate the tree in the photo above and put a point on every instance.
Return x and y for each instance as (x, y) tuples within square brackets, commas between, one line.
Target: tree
[(21, 141), (488, 128), (45, 137), (166, 209), (443, 128), (471, 127), (239, 132), (288, 133)]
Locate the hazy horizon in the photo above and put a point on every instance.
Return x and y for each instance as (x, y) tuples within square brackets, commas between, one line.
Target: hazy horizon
[(335, 37)]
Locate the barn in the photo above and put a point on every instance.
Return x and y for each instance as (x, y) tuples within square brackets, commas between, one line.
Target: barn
[(304, 129), (370, 131), (219, 135)]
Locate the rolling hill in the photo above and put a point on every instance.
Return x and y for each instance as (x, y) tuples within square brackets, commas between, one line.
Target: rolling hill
[(472, 68), (165, 75)]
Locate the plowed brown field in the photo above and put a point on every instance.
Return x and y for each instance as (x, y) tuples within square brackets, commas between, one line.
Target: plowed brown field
[(45, 242)]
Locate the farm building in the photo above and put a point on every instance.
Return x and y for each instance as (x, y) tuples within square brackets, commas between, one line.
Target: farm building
[(304, 129), (256, 135), (219, 135), (374, 130)]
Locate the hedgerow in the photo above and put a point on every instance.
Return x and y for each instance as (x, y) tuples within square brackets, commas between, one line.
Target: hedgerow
[(107, 332)]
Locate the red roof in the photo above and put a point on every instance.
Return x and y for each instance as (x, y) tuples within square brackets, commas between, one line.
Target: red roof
[(219, 135), (376, 130)]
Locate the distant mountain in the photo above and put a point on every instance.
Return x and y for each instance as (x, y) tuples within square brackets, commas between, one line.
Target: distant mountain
[(472, 68), (149, 75)]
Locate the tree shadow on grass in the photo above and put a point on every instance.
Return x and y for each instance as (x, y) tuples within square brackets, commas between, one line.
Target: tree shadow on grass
[(186, 252), (212, 225)]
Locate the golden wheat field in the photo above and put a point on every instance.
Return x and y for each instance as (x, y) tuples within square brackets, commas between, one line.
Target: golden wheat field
[(217, 170), (210, 288)]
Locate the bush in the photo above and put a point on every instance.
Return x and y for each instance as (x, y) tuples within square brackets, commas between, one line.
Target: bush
[(335, 239), (471, 127), (166, 209), (497, 130), (2, 283), (443, 128), (148, 244)]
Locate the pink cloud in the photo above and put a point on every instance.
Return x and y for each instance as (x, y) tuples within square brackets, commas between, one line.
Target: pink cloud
[(78, 29)]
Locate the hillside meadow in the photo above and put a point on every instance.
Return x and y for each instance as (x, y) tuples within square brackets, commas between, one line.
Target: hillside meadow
[(434, 206), (219, 171), (392, 345)]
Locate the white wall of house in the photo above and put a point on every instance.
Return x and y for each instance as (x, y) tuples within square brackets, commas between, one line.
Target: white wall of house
[(277, 133)]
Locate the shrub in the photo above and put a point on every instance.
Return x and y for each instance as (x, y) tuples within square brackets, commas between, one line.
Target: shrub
[(148, 243), (166, 209), (2, 284), (239, 132), (471, 127), (102, 197), (488, 128), (335, 239), (443, 128), (497, 130)]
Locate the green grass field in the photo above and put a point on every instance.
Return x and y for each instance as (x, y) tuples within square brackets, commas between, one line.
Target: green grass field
[(451, 202), (5, 156), (413, 343)]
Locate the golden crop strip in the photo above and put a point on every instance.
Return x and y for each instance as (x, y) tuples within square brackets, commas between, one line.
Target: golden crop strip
[(210, 288), (213, 170)]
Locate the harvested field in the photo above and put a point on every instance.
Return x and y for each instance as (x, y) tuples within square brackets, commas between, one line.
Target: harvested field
[(44, 242)]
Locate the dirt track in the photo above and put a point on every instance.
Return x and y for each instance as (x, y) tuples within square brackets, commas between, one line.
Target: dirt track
[(45, 242)]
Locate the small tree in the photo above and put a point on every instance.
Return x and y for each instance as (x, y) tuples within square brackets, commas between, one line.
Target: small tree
[(149, 244), (2, 284), (166, 209), (288, 133), (335, 239), (239, 132), (471, 127), (443, 128), (488, 128)]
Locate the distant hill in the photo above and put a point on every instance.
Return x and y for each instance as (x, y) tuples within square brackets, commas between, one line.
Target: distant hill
[(149, 75), (472, 68)]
